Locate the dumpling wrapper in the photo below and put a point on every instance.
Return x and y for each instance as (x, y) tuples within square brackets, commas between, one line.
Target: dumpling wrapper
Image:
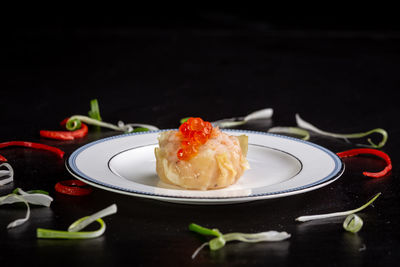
[(219, 163)]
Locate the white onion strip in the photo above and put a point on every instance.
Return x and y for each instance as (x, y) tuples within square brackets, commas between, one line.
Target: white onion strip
[(9, 174), (233, 122), (306, 125), (336, 214), (36, 199)]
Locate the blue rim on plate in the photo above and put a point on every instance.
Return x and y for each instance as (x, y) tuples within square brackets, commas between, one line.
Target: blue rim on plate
[(336, 172)]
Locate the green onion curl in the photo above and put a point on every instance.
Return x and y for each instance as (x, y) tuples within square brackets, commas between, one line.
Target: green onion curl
[(220, 239), (306, 125), (353, 223), (336, 214), (74, 229)]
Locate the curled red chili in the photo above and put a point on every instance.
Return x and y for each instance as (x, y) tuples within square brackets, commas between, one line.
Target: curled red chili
[(73, 187), (65, 135), (55, 150), (2, 159), (383, 155)]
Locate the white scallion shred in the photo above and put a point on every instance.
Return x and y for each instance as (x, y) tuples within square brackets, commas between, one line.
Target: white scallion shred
[(257, 237), (233, 122), (219, 242), (306, 125), (6, 176), (26, 198), (336, 214), (74, 229)]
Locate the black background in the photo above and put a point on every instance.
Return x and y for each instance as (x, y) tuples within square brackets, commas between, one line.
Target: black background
[(338, 71)]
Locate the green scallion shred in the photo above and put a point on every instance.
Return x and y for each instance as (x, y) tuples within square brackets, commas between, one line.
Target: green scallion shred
[(220, 239), (183, 120), (353, 223), (73, 124), (308, 126), (140, 129), (57, 234), (94, 111), (120, 127), (203, 230), (74, 229)]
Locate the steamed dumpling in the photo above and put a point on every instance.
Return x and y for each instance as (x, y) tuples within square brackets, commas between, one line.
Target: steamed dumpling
[(219, 162)]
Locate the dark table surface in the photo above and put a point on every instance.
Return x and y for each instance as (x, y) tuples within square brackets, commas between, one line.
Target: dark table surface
[(342, 80)]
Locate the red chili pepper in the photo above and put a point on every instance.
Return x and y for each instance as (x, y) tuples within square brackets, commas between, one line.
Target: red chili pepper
[(65, 135), (3, 159), (55, 150), (64, 121), (383, 155), (73, 188)]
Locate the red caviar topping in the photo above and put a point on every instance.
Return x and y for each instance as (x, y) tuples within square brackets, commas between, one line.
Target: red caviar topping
[(194, 133)]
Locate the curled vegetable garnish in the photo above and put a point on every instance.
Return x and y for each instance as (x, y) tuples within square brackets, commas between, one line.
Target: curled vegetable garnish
[(353, 223), (306, 125), (336, 214), (27, 198), (73, 187), (94, 111), (74, 229), (130, 128), (359, 151), (66, 135), (220, 239), (305, 135), (7, 174), (237, 121), (55, 150)]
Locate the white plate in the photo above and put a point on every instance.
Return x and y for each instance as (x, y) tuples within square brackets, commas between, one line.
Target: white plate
[(280, 166)]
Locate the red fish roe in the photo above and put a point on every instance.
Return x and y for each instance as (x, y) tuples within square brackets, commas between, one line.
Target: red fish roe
[(194, 133)]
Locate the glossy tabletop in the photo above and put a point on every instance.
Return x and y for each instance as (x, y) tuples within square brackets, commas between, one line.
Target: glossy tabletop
[(343, 81)]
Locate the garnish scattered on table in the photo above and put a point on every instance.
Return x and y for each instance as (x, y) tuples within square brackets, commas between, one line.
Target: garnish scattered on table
[(353, 223), (73, 187), (7, 176), (303, 127), (370, 151), (35, 197), (55, 150), (336, 214), (265, 113), (308, 126), (6, 173), (77, 129), (79, 132), (220, 239), (74, 230)]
